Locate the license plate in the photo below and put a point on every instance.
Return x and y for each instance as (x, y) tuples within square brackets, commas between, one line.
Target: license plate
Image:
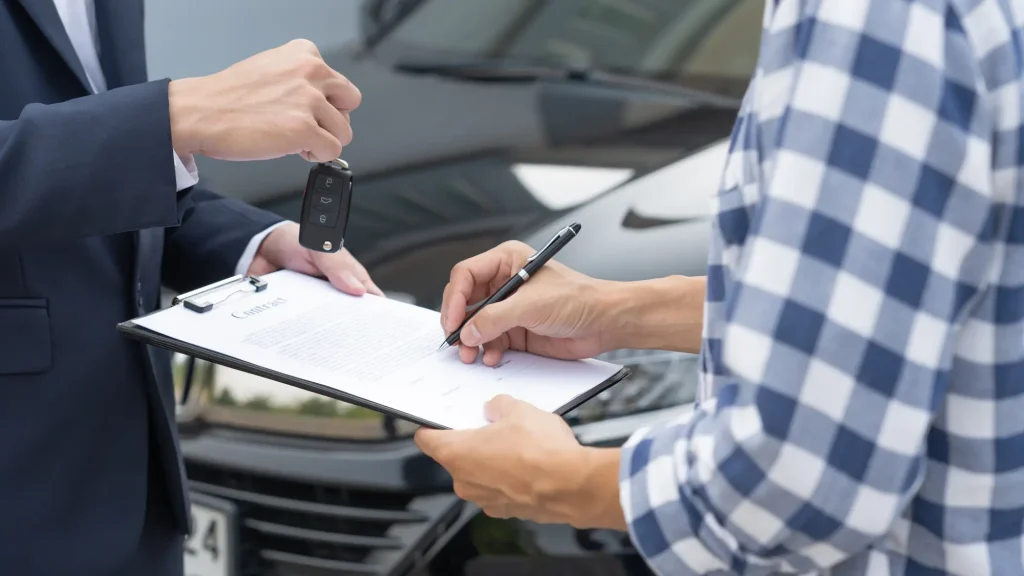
[(210, 548)]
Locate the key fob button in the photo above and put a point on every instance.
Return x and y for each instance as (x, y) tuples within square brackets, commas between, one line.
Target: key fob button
[(320, 217), (328, 184), (326, 200)]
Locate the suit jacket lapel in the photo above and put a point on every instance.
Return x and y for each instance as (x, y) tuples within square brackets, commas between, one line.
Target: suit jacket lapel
[(122, 45), (46, 17)]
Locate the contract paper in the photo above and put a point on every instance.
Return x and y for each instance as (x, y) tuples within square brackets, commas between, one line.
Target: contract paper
[(381, 350)]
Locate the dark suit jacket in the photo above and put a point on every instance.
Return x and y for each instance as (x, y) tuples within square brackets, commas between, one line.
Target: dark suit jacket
[(90, 227)]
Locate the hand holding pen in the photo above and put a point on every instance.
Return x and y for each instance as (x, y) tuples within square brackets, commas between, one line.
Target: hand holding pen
[(533, 264), (555, 311)]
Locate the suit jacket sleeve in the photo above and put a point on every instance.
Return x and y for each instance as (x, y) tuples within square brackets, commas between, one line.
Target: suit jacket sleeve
[(91, 166), (100, 165), (214, 232)]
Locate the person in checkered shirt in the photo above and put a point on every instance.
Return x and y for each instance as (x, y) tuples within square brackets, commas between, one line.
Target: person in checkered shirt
[(861, 325)]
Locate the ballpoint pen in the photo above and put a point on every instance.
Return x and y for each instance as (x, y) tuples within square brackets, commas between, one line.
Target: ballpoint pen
[(533, 263)]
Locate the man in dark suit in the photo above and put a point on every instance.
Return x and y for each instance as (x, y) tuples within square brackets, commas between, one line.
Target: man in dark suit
[(99, 207)]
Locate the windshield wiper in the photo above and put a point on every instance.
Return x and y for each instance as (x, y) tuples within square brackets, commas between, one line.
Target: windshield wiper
[(498, 71), (506, 71)]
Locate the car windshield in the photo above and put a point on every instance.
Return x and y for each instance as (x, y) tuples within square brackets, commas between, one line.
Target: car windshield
[(709, 45)]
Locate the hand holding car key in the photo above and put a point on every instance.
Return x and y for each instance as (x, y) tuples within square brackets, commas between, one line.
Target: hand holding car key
[(325, 206)]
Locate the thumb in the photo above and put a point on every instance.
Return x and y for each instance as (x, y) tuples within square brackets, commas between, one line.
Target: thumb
[(346, 281), (430, 441), (502, 406), (339, 273), (493, 321)]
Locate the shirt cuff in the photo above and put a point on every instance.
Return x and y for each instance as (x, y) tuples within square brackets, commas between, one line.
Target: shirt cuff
[(186, 174), (250, 250)]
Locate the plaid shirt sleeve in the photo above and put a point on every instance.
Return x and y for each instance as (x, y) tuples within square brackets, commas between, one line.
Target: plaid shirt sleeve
[(869, 239)]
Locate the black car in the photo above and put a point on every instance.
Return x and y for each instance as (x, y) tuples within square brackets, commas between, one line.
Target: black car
[(481, 122)]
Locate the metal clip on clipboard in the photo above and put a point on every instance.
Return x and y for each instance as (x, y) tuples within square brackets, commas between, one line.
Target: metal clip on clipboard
[(205, 299)]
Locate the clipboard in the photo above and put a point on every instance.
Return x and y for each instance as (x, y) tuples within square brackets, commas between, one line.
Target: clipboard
[(207, 298)]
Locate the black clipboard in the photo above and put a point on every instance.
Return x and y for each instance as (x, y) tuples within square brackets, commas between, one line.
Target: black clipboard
[(201, 301)]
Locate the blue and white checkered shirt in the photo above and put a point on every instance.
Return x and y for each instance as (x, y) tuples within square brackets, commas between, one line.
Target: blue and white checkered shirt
[(862, 393)]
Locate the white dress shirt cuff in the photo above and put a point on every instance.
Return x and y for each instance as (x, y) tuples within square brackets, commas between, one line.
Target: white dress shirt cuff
[(185, 172), (250, 250)]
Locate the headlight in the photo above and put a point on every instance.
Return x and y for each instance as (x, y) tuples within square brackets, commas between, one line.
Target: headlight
[(659, 380)]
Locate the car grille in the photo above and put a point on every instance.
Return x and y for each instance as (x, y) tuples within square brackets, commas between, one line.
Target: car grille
[(291, 528)]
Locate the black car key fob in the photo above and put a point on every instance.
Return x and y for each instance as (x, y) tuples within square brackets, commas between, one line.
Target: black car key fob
[(325, 206)]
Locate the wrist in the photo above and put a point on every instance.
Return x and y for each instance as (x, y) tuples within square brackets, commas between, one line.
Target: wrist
[(278, 241), (660, 314), (186, 138), (590, 495)]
